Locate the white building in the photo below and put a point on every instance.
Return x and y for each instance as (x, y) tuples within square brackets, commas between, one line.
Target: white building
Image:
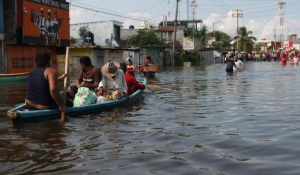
[(105, 32)]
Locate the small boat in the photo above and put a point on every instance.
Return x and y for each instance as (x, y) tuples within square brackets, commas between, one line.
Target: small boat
[(21, 113), (12, 78)]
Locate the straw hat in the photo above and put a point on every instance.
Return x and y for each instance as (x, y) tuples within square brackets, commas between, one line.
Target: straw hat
[(110, 69)]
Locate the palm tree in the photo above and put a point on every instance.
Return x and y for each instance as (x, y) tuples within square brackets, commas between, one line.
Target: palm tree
[(201, 35), (246, 42)]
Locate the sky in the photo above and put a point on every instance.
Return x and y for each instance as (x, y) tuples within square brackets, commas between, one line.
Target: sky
[(259, 16)]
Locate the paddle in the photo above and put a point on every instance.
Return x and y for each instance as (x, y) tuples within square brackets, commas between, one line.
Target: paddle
[(63, 115), (193, 96)]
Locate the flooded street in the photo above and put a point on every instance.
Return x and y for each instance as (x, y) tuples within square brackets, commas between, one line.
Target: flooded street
[(240, 123)]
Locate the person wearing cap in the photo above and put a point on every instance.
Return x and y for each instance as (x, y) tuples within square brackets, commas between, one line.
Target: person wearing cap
[(42, 86), (113, 80), (89, 77), (132, 83), (130, 67)]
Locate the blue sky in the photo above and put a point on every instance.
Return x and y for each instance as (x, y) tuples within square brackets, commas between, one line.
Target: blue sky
[(259, 16)]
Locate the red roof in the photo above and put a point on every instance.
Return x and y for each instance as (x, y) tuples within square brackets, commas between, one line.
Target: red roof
[(177, 44), (165, 29)]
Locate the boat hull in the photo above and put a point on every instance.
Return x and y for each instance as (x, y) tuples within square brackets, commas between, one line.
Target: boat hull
[(13, 78), (21, 113)]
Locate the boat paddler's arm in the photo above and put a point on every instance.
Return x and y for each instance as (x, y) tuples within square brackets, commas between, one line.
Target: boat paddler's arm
[(62, 77), (53, 87)]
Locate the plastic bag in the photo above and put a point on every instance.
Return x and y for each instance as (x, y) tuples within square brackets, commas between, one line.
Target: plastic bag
[(84, 96)]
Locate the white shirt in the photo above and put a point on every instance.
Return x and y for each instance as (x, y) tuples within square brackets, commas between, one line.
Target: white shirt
[(239, 64), (119, 83)]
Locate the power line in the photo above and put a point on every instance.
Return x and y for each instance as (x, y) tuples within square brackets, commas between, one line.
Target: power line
[(107, 13)]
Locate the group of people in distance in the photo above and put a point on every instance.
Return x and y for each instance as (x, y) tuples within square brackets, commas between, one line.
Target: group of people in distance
[(42, 83), (233, 64)]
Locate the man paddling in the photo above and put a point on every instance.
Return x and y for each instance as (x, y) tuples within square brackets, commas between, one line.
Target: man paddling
[(42, 86)]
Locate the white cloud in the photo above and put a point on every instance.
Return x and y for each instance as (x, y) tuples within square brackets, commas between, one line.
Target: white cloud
[(261, 28)]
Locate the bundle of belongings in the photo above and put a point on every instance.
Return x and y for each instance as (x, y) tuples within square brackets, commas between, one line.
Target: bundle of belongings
[(85, 97)]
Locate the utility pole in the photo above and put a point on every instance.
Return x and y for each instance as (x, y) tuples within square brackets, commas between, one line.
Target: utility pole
[(188, 9), (281, 13), (237, 16), (214, 25), (168, 9), (275, 39), (175, 31)]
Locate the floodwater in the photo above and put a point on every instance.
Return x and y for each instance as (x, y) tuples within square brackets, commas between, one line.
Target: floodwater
[(241, 123)]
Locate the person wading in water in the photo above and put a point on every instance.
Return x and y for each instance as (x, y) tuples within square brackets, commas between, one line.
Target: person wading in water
[(230, 64)]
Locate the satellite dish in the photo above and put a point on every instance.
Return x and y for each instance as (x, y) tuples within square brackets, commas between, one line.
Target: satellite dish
[(107, 41)]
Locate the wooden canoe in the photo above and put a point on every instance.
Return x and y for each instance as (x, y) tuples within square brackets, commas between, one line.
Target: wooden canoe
[(12, 78), (20, 112)]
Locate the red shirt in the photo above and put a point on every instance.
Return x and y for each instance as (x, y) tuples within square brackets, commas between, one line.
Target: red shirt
[(131, 82), (283, 59)]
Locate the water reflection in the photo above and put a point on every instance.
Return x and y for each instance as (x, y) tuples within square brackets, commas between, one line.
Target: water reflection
[(244, 123), (31, 146)]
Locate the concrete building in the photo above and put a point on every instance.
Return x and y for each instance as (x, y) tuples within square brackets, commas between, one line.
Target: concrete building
[(105, 33)]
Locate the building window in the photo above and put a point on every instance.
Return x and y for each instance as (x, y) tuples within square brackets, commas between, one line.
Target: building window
[(18, 63)]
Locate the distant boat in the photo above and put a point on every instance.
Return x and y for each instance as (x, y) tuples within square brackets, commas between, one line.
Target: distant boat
[(13, 78)]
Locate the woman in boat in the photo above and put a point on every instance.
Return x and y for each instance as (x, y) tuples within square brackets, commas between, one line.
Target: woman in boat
[(42, 86), (130, 67), (132, 83)]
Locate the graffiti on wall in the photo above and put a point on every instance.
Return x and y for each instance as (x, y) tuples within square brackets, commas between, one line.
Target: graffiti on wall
[(46, 22)]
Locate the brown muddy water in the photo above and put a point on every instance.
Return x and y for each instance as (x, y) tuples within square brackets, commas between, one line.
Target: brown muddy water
[(243, 123)]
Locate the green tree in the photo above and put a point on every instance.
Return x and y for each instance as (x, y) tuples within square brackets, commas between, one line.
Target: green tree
[(246, 42), (146, 36), (222, 40), (73, 40), (81, 31)]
